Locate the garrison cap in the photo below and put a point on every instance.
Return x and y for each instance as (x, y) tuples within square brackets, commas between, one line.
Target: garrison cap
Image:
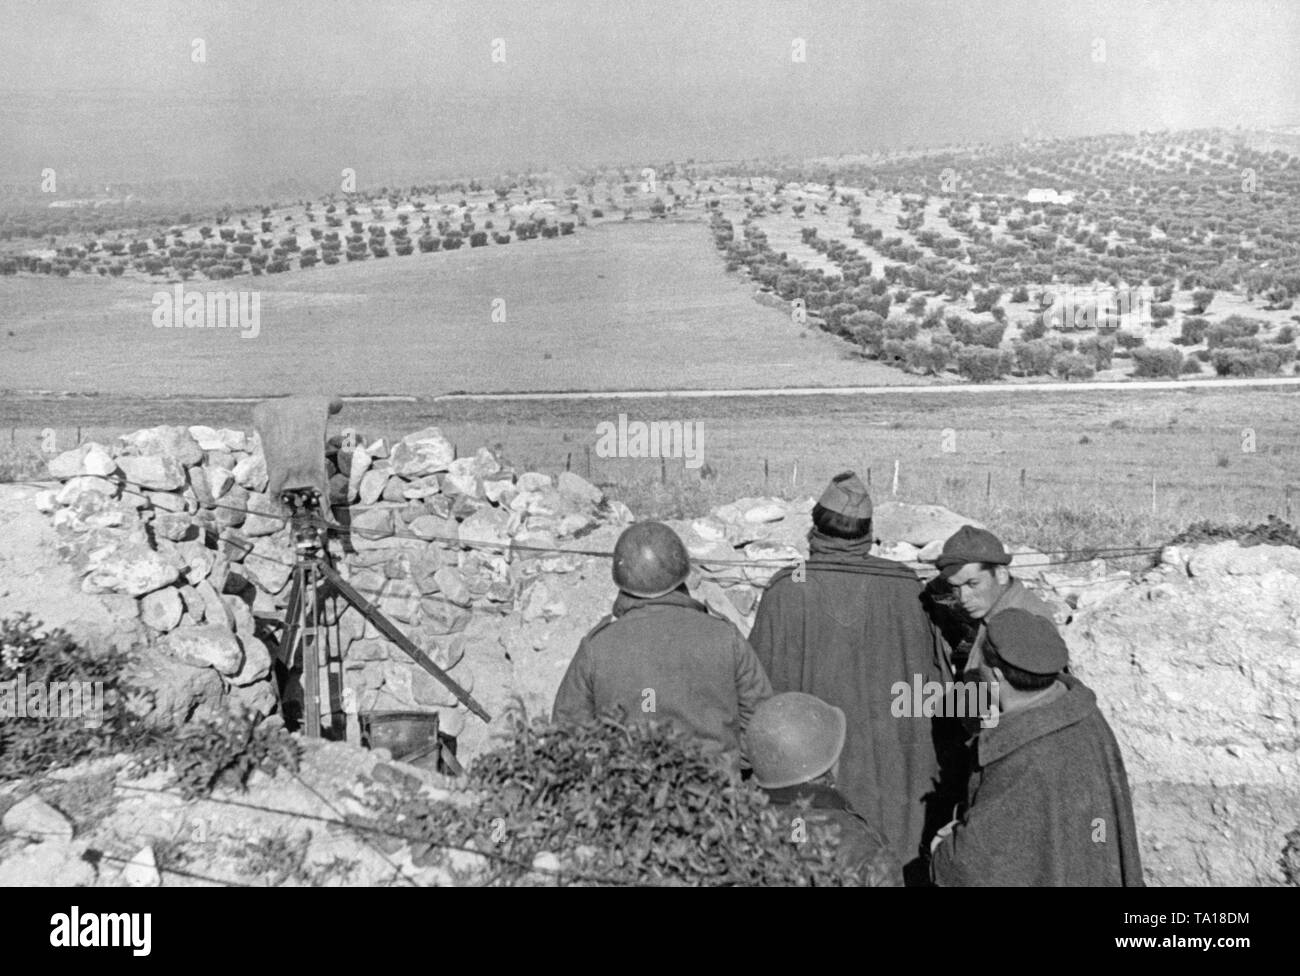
[(971, 545), (1027, 641), (847, 495)]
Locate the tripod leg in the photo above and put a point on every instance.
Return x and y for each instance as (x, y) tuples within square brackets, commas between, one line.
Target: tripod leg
[(311, 656), (389, 630), (287, 652)]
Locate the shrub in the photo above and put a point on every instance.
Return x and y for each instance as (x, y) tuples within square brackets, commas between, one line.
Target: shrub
[(1099, 349), (1034, 328), (1129, 340), (981, 365), (1034, 358), (1286, 334), (1153, 363), (1244, 362), (1160, 314), (1232, 331), (1073, 366), (617, 803), (1201, 299), (1193, 330)]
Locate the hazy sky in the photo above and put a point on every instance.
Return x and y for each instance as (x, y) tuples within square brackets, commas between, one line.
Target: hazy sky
[(108, 90)]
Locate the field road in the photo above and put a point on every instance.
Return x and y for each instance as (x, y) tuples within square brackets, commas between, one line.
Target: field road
[(1219, 384)]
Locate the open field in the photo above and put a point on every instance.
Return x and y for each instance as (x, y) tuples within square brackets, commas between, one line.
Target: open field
[(611, 307), (1088, 457)]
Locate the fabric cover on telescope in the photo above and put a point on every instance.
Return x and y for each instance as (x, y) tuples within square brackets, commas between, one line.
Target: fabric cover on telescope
[(292, 431)]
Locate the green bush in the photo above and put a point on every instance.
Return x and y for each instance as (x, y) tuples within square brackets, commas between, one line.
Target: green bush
[(617, 803), (33, 744), (1235, 330), (1073, 366), (1100, 349), (1129, 340), (982, 365), (1152, 363), (1245, 362), (1193, 330), (1034, 358)]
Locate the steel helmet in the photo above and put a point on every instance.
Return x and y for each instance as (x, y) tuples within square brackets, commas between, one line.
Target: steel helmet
[(650, 560), (793, 738)]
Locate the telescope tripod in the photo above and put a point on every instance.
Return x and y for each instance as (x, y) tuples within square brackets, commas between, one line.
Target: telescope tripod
[(305, 636)]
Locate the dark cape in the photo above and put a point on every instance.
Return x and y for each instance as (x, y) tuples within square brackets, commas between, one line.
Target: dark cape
[(847, 634), (1050, 805)]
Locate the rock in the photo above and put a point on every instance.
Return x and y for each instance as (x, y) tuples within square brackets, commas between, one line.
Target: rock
[(372, 528), (240, 613), (215, 610), (174, 526), (916, 524), (34, 819), (579, 489), (902, 552), (47, 501), (401, 600), (421, 488), (207, 438), (1099, 591), (715, 598), (142, 870), (233, 510), (257, 662), (432, 527), (488, 526), (266, 515), (709, 529), (73, 489), (619, 513), (422, 453), (428, 690), (766, 511), (270, 564), (132, 568), (89, 459), (179, 690), (209, 646), (547, 863), (573, 525), (378, 448), (220, 481), (358, 464), (499, 491), (173, 443), (368, 583), (451, 584), (459, 483), (250, 472), (57, 864), (162, 609), (371, 486), (258, 698), (166, 501), (534, 481), (394, 490)]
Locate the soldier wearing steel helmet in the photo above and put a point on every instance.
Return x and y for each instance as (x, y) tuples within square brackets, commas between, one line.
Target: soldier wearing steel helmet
[(794, 743), (660, 654)]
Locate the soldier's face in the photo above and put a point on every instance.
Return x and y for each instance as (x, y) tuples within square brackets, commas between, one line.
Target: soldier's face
[(976, 589)]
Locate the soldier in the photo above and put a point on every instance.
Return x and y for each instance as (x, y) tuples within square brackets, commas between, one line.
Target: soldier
[(847, 627), (661, 654), (973, 566), (1050, 802), (794, 742)]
